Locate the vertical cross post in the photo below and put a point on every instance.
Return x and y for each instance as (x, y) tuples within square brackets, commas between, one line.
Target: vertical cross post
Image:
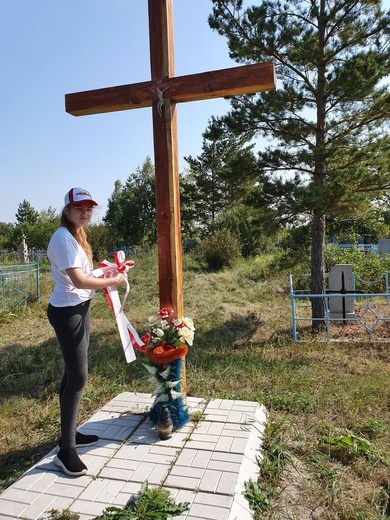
[(166, 157)]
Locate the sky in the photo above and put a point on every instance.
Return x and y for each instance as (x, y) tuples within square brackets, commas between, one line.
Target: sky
[(51, 48)]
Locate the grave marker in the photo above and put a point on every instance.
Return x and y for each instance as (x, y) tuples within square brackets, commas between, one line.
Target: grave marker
[(341, 281)]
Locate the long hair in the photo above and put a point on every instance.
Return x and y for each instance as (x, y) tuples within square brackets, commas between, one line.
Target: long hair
[(80, 236)]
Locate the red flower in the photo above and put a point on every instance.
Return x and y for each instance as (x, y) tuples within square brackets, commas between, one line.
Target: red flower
[(165, 313), (146, 338)]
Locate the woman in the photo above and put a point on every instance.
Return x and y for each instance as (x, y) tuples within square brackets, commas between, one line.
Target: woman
[(70, 256)]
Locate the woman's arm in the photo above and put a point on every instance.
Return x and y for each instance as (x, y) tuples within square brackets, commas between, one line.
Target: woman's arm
[(82, 281)]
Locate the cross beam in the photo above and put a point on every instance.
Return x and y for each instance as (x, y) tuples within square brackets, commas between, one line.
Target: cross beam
[(193, 87), (162, 93)]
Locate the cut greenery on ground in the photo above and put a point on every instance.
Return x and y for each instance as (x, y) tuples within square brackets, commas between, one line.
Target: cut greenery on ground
[(325, 453)]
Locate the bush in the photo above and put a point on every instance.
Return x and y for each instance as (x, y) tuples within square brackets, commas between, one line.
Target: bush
[(253, 237), (221, 249), (367, 266)]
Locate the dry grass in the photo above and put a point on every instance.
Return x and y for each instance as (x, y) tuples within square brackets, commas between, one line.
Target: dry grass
[(316, 394)]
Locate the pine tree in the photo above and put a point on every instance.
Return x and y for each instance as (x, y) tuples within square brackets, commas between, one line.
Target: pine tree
[(218, 179), (26, 213), (327, 117)]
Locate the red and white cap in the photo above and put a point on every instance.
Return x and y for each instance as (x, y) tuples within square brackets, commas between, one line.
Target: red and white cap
[(78, 196)]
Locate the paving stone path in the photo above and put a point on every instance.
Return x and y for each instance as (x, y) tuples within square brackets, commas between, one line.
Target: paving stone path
[(205, 464)]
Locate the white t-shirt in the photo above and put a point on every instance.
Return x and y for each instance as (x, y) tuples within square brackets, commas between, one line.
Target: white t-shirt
[(64, 252)]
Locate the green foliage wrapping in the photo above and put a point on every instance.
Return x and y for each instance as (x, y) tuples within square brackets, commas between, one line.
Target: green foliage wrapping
[(221, 249)]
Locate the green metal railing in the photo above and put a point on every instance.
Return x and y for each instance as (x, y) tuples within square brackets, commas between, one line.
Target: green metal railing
[(19, 283), (371, 312)]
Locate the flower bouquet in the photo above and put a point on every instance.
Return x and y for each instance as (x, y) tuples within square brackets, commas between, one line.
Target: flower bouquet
[(165, 346)]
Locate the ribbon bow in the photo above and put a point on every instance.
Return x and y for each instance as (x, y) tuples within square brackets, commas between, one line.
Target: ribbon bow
[(128, 334), (121, 265), (107, 269)]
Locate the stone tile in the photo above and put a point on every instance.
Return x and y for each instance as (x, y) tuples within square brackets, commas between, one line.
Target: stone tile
[(210, 480), (94, 464), (94, 489), (208, 512), (161, 456), (9, 508), (35, 480), (88, 508), (45, 503), (181, 478), (20, 495), (227, 483), (200, 459), (123, 464), (237, 430), (129, 489), (64, 489), (115, 474), (148, 471), (110, 491), (238, 445), (144, 435), (130, 451), (103, 448), (113, 426), (223, 465)]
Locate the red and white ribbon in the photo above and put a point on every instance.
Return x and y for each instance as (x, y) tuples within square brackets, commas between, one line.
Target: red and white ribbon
[(128, 334)]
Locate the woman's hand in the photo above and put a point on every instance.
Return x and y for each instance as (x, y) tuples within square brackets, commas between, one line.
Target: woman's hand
[(82, 281), (118, 279)]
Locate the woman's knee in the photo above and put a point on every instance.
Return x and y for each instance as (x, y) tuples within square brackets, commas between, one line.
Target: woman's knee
[(76, 380)]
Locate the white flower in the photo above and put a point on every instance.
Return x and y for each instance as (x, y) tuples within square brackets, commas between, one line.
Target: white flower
[(186, 335), (159, 333), (188, 322)]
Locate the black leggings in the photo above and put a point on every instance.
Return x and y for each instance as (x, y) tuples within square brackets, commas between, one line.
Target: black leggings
[(71, 325)]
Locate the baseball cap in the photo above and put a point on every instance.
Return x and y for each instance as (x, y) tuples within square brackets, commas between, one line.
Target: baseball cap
[(77, 196)]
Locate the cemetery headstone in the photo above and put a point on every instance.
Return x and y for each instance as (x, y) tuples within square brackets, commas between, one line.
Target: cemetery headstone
[(384, 246), (23, 251), (341, 282)]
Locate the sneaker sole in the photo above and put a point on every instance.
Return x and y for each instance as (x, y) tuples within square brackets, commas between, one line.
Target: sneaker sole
[(59, 463)]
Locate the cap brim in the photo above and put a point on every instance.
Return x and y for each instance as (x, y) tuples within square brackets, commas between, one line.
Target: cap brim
[(81, 202)]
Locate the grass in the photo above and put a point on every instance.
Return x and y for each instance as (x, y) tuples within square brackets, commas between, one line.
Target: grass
[(326, 449)]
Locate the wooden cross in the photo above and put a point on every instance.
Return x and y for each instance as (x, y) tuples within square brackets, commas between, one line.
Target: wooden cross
[(162, 93)]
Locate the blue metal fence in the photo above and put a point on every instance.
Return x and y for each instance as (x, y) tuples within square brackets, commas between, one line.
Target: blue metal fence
[(371, 312), (19, 283)]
